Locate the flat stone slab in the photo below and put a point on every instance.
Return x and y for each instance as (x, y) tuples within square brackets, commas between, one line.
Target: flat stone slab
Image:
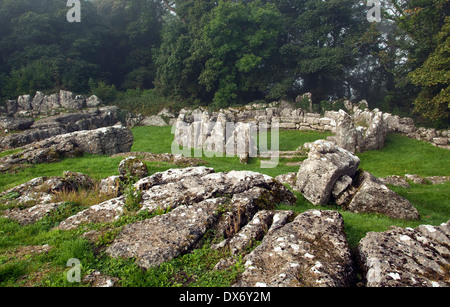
[(310, 251), (406, 257)]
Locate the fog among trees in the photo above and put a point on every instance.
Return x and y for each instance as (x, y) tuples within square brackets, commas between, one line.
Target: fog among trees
[(228, 53)]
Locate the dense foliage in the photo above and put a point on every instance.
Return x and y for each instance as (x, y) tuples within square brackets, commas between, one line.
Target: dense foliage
[(225, 52)]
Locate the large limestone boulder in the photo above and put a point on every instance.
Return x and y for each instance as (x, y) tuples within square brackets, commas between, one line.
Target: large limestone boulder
[(406, 257), (311, 251), (330, 174), (102, 141), (195, 200), (368, 194), (60, 124), (325, 165)]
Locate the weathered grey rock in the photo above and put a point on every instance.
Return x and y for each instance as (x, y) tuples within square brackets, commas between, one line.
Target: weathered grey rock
[(438, 179), (360, 132), (200, 183), (166, 113), (12, 123), (415, 178), (107, 140), (24, 103), (395, 180), (199, 200), (31, 215), (69, 101), (154, 120), (310, 251), (370, 195), (341, 185), (289, 178), (48, 103), (325, 165), (105, 212), (34, 199), (132, 168), (177, 159), (405, 257), (93, 101), (11, 106), (255, 230), (164, 237), (111, 185), (61, 124), (37, 100), (440, 141), (391, 121), (172, 188), (345, 132)]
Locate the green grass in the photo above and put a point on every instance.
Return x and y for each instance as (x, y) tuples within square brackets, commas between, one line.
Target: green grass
[(401, 155)]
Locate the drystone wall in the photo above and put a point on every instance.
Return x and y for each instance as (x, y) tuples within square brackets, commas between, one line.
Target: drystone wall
[(357, 128)]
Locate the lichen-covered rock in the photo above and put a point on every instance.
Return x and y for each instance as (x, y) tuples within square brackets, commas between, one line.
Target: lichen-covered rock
[(319, 173), (362, 131), (133, 167), (369, 195), (34, 199), (310, 251), (111, 185), (61, 124), (289, 178), (12, 123), (31, 215), (107, 140), (164, 237), (197, 199), (105, 212), (405, 257)]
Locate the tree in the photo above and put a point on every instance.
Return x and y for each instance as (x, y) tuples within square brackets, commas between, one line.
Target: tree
[(320, 43), (135, 26), (241, 39), (421, 21), (433, 102)]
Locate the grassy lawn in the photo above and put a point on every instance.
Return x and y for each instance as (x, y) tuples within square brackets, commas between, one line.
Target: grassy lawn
[(401, 155)]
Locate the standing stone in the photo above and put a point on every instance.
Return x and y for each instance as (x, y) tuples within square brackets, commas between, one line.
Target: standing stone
[(325, 165), (24, 103), (345, 132)]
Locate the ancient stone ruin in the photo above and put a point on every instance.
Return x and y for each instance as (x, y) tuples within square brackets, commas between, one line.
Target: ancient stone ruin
[(356, 128), (183, 205), (76, 125), (217, 133), (360, 132)]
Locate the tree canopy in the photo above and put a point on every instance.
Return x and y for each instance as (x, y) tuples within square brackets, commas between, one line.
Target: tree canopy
[(227, 52)]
